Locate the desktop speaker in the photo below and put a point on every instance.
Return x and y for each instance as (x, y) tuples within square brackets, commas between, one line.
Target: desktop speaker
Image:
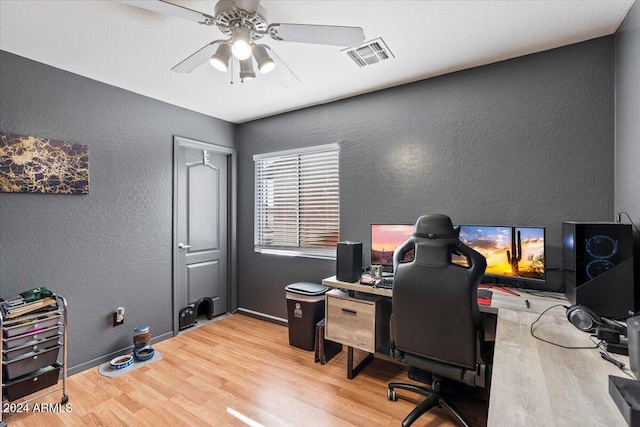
[(633, 334), (598, 264), (349, 261)]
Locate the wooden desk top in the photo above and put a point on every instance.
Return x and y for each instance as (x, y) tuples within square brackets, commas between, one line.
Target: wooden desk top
[(358, 287), (499, 299), (535, 383)]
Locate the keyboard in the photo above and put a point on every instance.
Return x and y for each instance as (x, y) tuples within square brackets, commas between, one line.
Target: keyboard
[(484, 295), (385, 283)]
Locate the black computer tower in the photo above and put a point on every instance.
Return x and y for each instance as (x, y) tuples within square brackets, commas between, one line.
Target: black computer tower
[(598, 264)]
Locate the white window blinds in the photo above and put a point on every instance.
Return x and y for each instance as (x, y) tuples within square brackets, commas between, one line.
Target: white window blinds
[(297, 202)]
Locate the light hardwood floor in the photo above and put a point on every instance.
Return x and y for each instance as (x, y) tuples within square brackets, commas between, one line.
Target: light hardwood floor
[(245, 364)]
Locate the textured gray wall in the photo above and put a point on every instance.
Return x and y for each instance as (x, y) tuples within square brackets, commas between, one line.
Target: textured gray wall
[(111, 247), (529, 141), (627, 157)]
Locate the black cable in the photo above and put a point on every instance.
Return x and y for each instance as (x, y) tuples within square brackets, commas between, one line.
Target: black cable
[(624, 371), (606, 356), (553, 343), (604, 353), (597, 344), (622, 318), (535, 294), (630, 220)]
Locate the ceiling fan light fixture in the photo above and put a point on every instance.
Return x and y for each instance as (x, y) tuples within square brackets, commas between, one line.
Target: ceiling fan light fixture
[(240, 43), (246, 70), (243, 22), (220, 59), (265, 62)]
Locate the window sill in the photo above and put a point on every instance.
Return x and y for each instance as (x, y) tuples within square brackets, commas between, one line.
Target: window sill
[(298, 253)]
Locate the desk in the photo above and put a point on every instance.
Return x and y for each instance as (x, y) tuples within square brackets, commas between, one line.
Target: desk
[(535, 383)]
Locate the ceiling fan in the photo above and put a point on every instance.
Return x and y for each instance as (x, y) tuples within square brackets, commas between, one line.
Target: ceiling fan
[(245, 22)]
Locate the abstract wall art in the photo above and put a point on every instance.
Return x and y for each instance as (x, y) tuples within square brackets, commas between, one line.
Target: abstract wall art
[(30, 164)]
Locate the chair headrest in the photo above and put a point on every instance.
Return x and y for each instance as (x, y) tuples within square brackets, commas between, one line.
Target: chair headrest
[(435, 226)]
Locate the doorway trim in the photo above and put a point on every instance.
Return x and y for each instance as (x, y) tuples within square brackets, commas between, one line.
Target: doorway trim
[(232, 163)]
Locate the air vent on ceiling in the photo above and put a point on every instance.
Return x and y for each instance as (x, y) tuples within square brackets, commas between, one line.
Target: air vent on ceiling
[(370, 52)]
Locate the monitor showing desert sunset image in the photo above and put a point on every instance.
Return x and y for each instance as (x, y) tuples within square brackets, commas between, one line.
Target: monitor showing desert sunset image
[(516, 252)]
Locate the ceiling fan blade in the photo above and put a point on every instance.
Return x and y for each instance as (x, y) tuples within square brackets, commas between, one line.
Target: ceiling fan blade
[(318, 34), (285, 77), (167, 8), (198, 58), (249, 6)]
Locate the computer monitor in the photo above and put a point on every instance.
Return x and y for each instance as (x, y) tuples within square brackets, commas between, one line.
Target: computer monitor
[(516, 253), (506, 258), (385, 238)]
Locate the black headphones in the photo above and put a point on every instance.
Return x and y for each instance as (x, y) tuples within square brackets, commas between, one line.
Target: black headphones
[(586, 320)]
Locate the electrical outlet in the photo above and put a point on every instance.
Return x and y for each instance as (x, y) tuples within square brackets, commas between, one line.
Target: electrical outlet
[(118, 316)]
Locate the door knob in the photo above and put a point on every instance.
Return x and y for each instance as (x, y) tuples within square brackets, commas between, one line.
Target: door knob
[(182, 246)]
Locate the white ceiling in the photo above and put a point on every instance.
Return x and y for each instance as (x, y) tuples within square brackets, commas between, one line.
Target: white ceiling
[(135, 49)]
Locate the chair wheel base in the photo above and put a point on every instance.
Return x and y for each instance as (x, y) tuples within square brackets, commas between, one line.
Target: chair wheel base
[(434, 399)]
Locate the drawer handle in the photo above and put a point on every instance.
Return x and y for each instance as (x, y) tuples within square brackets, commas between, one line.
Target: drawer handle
[(35, 379), (347, 311), (35, 357)]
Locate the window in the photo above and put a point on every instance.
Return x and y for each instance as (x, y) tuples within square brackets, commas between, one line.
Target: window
[(297, 202)]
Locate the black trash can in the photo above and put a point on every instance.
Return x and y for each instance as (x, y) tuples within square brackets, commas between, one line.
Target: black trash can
[(305, 308)]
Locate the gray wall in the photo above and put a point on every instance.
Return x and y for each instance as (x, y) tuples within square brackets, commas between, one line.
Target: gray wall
[(627, 157), (111, 247), (529, 141)]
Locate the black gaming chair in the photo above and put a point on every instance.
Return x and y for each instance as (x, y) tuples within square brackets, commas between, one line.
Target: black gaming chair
[(436, 325)]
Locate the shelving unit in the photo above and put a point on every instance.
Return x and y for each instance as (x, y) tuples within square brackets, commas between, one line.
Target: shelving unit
[(31, 350)]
